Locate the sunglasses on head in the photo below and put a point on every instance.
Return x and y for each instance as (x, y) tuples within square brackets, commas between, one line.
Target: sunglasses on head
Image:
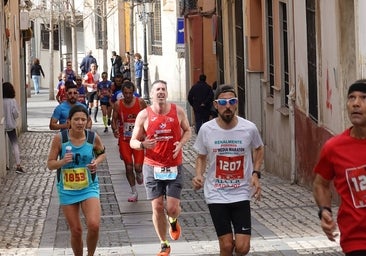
[(224, 102)]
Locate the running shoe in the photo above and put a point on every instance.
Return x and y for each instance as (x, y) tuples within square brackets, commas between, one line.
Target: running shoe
[(139, 178), (105, 129), (133, 197), (174, 230), (165, 250), (19, 170)]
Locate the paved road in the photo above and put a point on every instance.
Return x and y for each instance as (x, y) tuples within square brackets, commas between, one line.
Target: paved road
[(284, 223)]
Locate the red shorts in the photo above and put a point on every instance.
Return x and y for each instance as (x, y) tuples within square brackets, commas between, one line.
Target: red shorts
[(129, 155)]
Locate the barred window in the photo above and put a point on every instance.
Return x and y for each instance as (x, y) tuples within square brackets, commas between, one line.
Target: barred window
[(156, 47), (45, 37), (285, 77), (98, 24)]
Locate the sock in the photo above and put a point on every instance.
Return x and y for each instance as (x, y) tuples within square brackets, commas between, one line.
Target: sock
[(95, 112), (172, 220), (105, 121), (165, 242), (133, 189)]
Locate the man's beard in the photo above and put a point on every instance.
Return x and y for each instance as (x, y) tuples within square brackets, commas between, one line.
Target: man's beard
[(72, 100), (227, 116)]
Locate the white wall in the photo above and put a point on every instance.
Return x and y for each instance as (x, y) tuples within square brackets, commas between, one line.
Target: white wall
[(167, 67)]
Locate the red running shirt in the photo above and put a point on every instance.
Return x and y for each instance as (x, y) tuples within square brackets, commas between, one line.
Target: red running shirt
[(166, 130), (128, 118), (343, 158)]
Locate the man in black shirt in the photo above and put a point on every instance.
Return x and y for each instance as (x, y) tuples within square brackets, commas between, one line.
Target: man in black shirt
[(200, 97)]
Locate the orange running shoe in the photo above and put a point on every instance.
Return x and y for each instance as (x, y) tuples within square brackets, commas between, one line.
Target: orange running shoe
[(174, 230), (165, 250)]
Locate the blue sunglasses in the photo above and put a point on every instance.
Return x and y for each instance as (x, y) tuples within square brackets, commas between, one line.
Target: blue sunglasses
[(223, 102)]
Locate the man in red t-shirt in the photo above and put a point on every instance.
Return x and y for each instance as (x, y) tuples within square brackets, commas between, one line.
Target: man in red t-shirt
[(343, 161)]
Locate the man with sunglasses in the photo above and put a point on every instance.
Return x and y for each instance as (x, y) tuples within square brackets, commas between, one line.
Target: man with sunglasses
[(61, 112), (69, 72), (234, 151)]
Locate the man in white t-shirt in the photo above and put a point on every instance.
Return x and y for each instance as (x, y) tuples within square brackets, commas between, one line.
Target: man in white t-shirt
[(90, 81), (226, 144)]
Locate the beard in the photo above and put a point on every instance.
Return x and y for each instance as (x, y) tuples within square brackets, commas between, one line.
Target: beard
[(227, 116), (72, 100)]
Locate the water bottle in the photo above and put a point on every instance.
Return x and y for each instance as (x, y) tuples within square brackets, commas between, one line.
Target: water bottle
[(68, 149)]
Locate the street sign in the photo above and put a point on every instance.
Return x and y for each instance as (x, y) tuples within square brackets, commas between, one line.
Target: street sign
[(180, 34)]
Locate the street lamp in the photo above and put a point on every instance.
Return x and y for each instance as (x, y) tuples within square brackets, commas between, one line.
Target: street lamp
[(144, 16)]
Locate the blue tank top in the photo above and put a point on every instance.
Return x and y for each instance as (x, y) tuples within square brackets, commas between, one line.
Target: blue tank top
[(75, 182)]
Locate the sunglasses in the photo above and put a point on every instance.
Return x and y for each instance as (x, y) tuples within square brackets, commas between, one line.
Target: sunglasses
[(70, 93), (224, 102)]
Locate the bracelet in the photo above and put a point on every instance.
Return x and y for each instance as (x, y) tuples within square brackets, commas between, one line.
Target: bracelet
[(321, 209)]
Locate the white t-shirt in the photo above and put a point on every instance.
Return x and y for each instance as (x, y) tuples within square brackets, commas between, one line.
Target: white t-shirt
[(96, 78), (229, 154)]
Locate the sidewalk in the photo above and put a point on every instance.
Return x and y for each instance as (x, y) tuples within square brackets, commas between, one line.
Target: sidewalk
[(285, 222)]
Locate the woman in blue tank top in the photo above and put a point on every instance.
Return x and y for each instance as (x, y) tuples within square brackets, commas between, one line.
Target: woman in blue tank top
[(76, 153)]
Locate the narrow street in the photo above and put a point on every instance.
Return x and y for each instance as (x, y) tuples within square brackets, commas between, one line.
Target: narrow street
[(285, 222)]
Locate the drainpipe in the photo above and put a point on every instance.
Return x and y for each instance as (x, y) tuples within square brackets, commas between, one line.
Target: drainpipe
[(291, 105), (291, 101), (132, 47)]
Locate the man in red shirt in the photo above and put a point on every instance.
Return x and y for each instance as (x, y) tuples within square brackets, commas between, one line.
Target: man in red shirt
[(161, 130), (125, 111), (343, 161)]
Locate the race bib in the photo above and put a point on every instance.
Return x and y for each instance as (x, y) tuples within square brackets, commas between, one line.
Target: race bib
[(230, 167), (356, 179), (127, 129), (165, 173), (75, 179)]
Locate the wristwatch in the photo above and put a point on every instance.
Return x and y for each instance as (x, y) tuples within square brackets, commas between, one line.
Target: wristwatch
[(142, 145), (258, 174)]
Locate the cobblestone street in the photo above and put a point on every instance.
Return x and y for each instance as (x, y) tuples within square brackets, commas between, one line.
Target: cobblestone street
[(285, 222)]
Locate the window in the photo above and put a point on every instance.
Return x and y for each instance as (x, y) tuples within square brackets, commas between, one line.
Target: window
[(284, 56), (271, 69), (98, 24), (156, 47), (45, 37), (312, 65), (220, 45)]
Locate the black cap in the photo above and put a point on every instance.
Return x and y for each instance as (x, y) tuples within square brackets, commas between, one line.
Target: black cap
[(359, 85), (224, 88)]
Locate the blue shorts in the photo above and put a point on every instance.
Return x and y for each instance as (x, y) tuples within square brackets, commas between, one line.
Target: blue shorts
[(156, 188)]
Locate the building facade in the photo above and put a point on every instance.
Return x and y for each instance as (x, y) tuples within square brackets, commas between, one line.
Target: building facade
[(292, 63)]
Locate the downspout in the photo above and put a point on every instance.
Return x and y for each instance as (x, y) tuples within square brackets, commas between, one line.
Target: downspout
[(291, 101), (132, 47)]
